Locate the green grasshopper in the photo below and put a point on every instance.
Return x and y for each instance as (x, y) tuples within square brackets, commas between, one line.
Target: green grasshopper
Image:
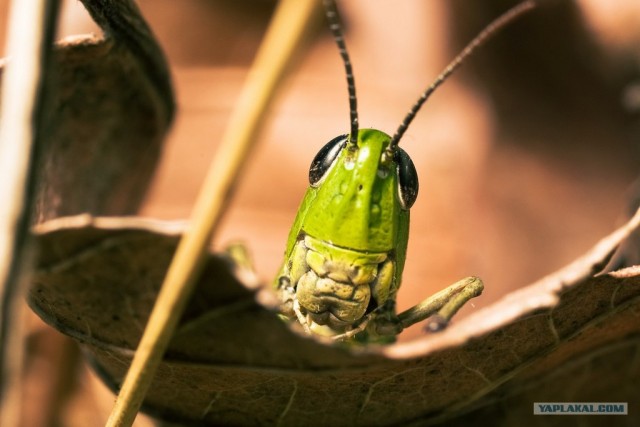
[(347, 247)]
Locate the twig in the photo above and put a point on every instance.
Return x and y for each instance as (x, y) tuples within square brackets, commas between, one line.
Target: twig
[(284, 33), (31, 25)]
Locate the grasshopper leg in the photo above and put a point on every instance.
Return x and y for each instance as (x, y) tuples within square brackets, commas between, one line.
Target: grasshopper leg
[(352, 332), (443, 305), (301, 317), (241, 262), (237, 252), (383, 321)]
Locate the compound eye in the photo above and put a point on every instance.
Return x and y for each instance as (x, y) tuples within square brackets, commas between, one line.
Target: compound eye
[(325, 158), (407, 178)]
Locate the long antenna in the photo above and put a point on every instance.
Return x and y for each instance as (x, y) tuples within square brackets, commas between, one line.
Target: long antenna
[(336, 30), (490, 30)]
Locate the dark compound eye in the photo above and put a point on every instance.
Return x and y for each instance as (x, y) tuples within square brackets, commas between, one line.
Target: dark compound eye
[(325, 158), (407, 178)]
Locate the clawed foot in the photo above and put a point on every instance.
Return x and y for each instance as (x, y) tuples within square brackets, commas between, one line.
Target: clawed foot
[(443, 305)]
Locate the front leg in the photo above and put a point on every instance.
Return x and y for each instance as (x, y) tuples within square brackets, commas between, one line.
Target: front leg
[(241, 263), (381, 325), (442, 305), (302, 319)]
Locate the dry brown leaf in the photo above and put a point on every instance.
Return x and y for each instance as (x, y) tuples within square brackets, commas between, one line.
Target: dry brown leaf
[(233, 362), (110, 108), (104, 142), (100, 116)]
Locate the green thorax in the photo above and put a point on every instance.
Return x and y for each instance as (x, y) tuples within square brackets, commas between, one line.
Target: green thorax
[(356, 206)]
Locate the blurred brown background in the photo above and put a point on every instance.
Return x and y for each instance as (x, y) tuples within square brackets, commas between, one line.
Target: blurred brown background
[(525, 157)]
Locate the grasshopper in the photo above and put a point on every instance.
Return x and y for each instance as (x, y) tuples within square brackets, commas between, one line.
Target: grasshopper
[(347, 248)]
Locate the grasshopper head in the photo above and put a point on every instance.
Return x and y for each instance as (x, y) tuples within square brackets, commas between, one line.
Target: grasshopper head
[(361, 191)]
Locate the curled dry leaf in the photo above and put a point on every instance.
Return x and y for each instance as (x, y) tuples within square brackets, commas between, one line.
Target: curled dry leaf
[(101, 113), (110, 105), (233, 362)]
